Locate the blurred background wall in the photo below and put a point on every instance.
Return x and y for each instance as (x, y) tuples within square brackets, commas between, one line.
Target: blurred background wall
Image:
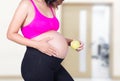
[(11, 54)]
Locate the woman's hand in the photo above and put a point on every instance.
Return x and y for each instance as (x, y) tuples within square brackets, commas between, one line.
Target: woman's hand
[(46, 48), (81, 47)]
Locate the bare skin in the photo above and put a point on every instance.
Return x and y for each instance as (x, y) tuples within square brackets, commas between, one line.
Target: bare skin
[(23, 16)]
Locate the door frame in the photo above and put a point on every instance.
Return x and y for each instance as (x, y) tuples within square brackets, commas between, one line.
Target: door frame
[(111, 30)]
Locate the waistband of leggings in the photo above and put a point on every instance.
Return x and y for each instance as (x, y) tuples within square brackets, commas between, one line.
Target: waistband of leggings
[(56, 58)]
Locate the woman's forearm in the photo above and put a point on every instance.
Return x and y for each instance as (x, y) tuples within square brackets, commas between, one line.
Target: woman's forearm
[(21, 40), (68, 41)]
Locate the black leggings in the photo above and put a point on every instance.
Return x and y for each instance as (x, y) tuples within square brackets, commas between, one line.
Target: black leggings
[(37, 66)]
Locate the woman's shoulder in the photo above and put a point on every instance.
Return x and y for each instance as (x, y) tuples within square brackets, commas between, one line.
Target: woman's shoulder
[(24, 6), (25, 3)]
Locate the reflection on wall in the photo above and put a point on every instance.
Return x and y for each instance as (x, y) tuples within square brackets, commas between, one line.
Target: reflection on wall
[(100, 41)]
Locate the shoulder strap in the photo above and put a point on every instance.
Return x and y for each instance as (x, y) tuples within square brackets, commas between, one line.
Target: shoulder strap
[(52, 11), (34, 5)]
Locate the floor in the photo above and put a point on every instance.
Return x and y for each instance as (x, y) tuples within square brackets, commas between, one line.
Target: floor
[(95, 80), (75, 80)]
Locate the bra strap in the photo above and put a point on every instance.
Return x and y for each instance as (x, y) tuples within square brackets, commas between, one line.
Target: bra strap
[(52, 11), (34, 5)]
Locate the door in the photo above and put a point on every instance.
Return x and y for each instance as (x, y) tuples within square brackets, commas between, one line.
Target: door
[(76, 24)]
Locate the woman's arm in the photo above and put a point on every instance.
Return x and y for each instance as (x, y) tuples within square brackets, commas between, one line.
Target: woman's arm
[(68, 41), (15, 25)]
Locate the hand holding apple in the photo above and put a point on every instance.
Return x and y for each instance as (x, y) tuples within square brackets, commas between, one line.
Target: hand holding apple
[(77, 45)]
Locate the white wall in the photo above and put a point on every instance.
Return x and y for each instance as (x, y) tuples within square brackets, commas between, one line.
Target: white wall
[(116, 39), (11, 53)]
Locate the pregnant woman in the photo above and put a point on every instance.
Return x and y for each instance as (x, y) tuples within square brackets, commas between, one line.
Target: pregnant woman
[(46, 48)]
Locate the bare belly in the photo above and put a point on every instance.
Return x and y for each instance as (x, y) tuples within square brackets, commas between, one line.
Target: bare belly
[(58, 42)]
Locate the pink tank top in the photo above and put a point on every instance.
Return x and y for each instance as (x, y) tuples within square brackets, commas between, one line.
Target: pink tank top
[(40, 24)]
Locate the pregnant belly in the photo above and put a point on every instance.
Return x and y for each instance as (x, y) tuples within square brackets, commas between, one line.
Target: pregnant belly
[(58, 42)]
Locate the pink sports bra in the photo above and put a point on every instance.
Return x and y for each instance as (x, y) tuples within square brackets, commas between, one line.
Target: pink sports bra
[(40, 24)]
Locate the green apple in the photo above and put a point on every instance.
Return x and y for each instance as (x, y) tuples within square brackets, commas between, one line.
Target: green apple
[(75, 44)]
